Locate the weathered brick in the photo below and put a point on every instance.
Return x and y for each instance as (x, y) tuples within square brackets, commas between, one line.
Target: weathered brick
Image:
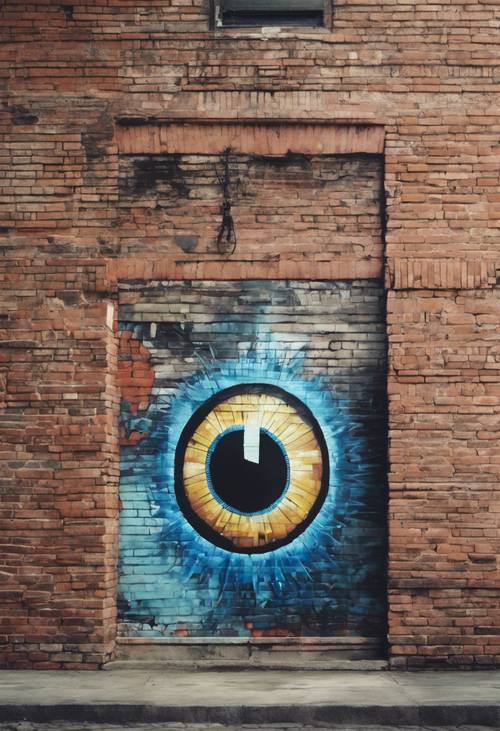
[(86, 80)]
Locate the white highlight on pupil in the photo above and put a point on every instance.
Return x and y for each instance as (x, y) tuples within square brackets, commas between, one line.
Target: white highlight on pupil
[(251, 441)]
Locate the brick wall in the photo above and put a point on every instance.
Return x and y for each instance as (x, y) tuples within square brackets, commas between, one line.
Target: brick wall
[(428, 77), (444, 464), (58, 479), (308, 208)]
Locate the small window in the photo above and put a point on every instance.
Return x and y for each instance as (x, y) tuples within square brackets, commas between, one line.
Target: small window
[(238, 13)]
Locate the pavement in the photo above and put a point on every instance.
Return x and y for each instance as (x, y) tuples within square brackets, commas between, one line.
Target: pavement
[(258, 699), (63, 726)]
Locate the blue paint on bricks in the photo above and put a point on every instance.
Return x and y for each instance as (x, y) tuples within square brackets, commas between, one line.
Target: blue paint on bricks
[(173, 578)]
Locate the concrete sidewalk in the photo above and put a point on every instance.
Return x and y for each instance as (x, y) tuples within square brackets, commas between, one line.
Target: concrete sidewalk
[(70, 726), (253, 697)]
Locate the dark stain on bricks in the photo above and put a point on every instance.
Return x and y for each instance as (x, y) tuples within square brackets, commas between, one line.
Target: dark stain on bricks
[(69, 296), (187, 243), (150, 170), (97, 136), (22, 116), (68, 11), (294, 159)]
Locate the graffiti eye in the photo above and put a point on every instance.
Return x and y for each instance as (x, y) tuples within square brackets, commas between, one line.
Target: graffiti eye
[(251, 469)]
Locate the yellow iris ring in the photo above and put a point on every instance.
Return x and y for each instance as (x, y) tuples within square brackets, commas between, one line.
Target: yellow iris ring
[(305, 459)]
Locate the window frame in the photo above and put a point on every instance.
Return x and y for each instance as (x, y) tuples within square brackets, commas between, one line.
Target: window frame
[(218, 24)]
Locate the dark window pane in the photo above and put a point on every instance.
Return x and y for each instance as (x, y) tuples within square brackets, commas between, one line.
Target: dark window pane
[(283, 6), (272, 12)]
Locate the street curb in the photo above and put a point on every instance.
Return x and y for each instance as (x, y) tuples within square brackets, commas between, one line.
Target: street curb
[(221, 666), (369, 715)]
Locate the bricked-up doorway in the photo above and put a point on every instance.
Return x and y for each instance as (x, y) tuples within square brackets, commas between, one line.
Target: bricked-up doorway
[(198, 361)]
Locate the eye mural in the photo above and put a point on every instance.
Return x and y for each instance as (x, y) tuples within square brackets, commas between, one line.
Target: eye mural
[(251, 469)]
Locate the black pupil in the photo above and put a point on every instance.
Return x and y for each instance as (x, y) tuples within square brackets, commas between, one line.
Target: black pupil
[(246, 486)]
